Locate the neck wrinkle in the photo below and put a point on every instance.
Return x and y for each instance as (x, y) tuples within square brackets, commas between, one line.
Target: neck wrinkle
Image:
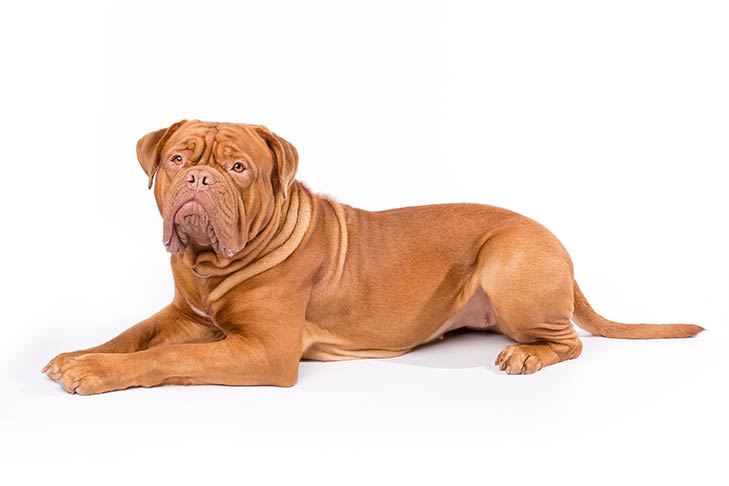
[(278, 239)]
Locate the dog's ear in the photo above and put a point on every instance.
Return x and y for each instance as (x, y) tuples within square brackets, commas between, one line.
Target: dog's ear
[(285, 157), (149, 147)]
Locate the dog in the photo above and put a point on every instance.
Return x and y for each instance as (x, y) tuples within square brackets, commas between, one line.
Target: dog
[(267, 273)]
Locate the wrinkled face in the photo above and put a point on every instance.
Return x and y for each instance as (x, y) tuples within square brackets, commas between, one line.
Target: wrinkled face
[(216, 184)]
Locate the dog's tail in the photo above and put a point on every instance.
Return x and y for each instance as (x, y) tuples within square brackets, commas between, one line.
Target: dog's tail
[(585, 317)]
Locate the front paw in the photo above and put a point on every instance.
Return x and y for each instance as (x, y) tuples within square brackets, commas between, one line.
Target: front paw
[(54, 366), (90, 374)]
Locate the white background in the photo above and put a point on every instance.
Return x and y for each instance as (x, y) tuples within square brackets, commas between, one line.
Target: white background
[(605, 121)]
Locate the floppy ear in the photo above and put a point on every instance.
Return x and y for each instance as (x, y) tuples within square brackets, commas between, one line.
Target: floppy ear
[(285, 156), (149, 147)]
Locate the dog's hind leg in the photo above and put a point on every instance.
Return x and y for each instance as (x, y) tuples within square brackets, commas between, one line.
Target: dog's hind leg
[(527, 275), (552, 343)]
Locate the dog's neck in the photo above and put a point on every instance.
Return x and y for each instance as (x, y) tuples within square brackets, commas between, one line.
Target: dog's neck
[(272, 245)]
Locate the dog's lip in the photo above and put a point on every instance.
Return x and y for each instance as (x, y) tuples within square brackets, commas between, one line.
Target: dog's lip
[(171, 239), (170, 224), (192, 206), (191, 222)]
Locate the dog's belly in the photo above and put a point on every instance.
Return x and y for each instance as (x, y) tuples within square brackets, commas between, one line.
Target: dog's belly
[(321, 345), (477, 314)]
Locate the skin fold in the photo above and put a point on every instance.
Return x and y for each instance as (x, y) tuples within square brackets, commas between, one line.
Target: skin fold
[(267, 274)]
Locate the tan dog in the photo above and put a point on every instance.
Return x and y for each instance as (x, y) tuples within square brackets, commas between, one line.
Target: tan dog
[(267, 273)]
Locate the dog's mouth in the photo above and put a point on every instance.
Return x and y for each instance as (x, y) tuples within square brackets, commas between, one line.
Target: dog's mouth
[(194, 225)]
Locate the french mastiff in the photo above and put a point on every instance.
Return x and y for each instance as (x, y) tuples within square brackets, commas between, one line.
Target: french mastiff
[(267, 273)]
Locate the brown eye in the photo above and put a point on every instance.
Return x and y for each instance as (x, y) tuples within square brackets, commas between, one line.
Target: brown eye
[(238, 167), (177, 159)]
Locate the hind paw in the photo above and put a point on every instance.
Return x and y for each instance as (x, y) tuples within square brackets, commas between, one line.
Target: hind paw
[(519, 359)]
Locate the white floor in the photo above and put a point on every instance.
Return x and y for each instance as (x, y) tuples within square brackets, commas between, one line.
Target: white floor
[(624, 412)]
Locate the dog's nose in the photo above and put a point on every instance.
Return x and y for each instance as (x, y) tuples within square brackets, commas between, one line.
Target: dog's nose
[(199, 179)]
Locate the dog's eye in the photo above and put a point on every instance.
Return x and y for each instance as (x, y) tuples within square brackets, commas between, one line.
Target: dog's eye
[(238, 167), (177, 159)]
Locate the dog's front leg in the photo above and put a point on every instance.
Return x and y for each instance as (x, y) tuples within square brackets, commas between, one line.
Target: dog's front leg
[(168, 326), (235, 360)]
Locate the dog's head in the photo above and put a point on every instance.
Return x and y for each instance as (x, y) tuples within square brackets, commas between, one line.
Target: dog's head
[(217, 184)]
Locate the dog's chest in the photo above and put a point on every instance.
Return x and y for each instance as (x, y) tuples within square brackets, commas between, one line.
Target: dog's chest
[(195, 291)]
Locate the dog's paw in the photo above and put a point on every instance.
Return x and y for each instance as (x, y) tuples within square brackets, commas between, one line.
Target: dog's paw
[(89, 374), (54, 366), (519, 359)]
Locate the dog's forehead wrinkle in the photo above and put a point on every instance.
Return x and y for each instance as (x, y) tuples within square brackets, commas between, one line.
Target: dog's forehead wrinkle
[(211, 145), (208, 146), (235, 134), (194, 144), (239, 141), (228, 148)]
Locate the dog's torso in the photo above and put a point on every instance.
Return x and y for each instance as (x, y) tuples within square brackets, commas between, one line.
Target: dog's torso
[(375, 284)]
